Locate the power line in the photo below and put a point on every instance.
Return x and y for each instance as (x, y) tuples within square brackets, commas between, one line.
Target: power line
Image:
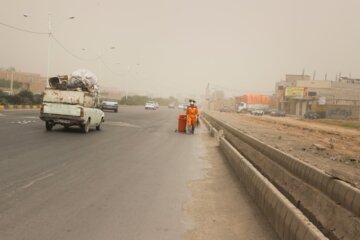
[(84, 59), (51, 35), (61, 45), (69, 52), (109, 68), (22, 29)]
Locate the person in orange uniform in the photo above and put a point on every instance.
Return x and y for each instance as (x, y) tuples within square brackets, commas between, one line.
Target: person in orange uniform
[(192, 114)]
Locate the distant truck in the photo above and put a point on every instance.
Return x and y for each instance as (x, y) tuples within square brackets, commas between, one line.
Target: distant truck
[(249, 102), (71, 105)]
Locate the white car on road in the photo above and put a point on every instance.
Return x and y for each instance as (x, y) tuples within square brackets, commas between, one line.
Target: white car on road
[(150, 105), (257, 112)]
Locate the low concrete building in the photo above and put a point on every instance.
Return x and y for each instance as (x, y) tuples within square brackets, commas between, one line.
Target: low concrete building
[(23, 81), (217, 101), (331, 99)]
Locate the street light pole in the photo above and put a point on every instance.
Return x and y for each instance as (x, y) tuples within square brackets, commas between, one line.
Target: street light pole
[(12, 82), (49, 49), (49, 43)]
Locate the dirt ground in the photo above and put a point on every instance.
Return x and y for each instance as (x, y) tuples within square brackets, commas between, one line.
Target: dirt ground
[(332, 148)]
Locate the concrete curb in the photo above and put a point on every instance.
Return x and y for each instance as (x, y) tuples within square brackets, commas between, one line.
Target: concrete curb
[(287, 220), (213, 132), (12, 107), (337, 190)]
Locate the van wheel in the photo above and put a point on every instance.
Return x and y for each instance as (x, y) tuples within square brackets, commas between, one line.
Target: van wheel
[(86, 127), (48, 126), (98, 127)]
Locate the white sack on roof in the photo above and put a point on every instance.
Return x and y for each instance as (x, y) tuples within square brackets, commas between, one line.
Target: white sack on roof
[(83, 77)]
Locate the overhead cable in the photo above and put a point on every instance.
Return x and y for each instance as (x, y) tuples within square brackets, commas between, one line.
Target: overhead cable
[(69, 52), (22, 29), (109, 68)]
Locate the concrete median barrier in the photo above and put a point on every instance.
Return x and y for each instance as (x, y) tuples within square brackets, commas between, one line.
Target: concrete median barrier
[(332, 205), (287, 220), (339, 191)]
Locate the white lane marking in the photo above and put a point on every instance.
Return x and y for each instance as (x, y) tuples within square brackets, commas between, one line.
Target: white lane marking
[(2, 115), (31, 117), (22, 122), (121, 124), (36, 180)]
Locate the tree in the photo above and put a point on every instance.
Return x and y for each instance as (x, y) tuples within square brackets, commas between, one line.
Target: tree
[(38, 98), (26, 97), (141, 100), (134, 100)]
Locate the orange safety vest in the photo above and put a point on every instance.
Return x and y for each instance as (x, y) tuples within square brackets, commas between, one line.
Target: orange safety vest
[(192, 112)]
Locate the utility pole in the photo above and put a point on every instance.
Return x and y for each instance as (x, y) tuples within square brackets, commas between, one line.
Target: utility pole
[(49, 33), (49, 49), (303, 73), (314, 75), (12, 82), (207, 91)]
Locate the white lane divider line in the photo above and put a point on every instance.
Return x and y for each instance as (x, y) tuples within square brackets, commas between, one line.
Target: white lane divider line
[(22, 122), (36, 180), (31, 117), (121, 124)]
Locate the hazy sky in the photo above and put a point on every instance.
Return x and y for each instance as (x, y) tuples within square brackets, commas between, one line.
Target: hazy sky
[(165, 47)]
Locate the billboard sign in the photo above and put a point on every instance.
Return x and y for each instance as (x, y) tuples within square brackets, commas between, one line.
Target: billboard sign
[(296, 92)]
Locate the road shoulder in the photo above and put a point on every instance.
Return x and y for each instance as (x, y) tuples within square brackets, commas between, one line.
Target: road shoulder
[(220, 207)]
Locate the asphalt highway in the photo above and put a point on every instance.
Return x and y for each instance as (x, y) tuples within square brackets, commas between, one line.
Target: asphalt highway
[(126, 181)]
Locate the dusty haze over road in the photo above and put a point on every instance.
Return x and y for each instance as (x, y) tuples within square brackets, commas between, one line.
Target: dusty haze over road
[(171, 47)]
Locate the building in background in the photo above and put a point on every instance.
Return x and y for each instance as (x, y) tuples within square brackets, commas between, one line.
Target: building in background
[(21, 81), (217, 101), (331, 99)]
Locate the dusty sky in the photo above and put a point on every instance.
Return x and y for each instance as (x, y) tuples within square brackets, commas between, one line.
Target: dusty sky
[(168, 47)]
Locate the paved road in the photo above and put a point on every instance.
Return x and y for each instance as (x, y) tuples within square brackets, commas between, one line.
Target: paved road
[(127, 181)]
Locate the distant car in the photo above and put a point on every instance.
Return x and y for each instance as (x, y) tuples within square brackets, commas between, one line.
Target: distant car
[(182, 106), (109, 105), (311, 115), (225, 109), (150, 105), (257, 112), (171, 105), (267, 111), (278, 113)]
